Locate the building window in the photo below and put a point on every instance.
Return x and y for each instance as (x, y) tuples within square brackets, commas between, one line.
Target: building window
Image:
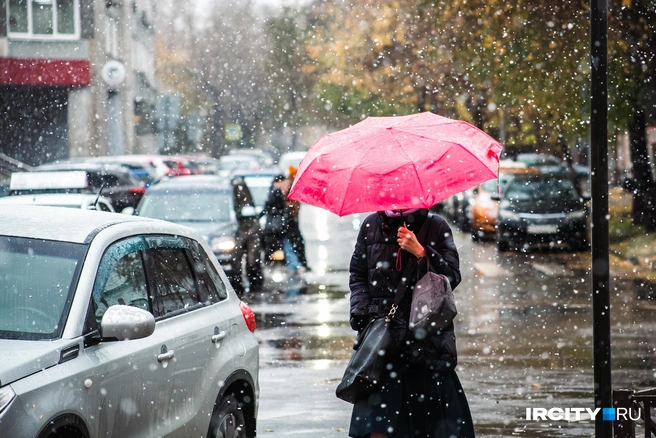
[(43, 18), (111, 37)]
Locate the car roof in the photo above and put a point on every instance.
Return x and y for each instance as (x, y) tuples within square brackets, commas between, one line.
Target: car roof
[(543, 176), (84, 165), (52, 199), (264, 171), (198, 182), (56, 223)]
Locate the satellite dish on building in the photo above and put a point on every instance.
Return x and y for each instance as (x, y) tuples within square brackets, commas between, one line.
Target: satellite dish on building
[(113, 73)]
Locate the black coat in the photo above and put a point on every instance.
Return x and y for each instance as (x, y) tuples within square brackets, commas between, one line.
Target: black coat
[(422, 395), (373, 269)]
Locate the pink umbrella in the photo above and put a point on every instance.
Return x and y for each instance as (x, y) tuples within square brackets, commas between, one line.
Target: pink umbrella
[(392, 163)]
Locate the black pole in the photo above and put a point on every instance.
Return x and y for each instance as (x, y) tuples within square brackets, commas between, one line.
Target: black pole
[(600, 259)]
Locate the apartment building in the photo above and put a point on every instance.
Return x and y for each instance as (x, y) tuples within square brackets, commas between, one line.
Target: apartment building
[(76, 78)]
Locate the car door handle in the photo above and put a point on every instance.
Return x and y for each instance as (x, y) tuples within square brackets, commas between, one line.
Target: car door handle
[(219, 336), (165, 356)]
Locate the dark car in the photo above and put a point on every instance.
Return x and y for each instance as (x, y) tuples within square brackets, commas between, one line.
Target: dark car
[(119, 185), (542, 209), (457, 209), (222, 211)]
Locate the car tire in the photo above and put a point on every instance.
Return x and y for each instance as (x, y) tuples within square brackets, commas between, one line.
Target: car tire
[(475, 236), (228, 420)]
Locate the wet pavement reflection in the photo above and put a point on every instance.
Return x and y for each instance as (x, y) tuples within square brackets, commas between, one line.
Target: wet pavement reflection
[(524, 333)]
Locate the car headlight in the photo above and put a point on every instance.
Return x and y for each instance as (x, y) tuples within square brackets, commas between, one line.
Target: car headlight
[(6, 396), (579, 214), (223, 244)]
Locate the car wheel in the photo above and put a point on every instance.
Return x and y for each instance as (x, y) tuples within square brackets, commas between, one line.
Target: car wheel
[(476, 237), (503, 246), (228, 420)]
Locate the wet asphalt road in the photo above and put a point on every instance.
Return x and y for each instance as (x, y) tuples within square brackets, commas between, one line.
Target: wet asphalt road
[(524, 334)]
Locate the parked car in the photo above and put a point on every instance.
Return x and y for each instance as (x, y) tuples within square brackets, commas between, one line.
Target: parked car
[(457, 209), (483, 209), (200, 164), (118, 184), (230, 163), (264, 158), (543, 162), (541, 209), (141, 170), (154, 164), (222, 211), (113, 325), (67, 200), (291, 158)]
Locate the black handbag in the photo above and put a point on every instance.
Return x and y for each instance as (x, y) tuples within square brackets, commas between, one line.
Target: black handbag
[(433, 304), (363, 372), (379, 339)]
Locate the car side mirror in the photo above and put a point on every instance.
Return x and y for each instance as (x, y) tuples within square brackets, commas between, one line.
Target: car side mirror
[(495, 197), (248, 211), (128, 210), (126, 322)]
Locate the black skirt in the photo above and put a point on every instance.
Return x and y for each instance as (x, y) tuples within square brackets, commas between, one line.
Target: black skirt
[(414, 402)]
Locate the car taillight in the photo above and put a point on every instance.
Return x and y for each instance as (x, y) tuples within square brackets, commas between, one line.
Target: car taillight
[(249, 316), (140, 190)]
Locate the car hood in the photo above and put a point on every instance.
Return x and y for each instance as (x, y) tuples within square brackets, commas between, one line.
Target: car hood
[(210, 229), (28, 357), (548, 206)]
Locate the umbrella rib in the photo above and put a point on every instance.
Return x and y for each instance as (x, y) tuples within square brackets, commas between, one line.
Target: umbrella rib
[(414, 166)]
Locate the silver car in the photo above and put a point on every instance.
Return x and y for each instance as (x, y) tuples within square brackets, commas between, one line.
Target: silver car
[(113, 325)]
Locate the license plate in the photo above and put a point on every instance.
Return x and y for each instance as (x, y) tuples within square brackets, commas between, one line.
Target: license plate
[(542, 229)]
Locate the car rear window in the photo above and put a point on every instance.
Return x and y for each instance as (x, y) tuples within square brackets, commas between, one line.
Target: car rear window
[(188, 206), (37, 282)]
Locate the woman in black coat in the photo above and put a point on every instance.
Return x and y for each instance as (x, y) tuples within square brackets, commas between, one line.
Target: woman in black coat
[(420, 395)]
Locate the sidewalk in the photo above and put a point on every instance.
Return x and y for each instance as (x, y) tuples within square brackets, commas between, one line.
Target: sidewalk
[(632, 250)]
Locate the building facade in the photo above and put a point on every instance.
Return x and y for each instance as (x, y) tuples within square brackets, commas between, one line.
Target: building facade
[(76, 78)]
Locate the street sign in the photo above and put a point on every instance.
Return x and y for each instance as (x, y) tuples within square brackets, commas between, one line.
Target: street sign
[(232, 132)]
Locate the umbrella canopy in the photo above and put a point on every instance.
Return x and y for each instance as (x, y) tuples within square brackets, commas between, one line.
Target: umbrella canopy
[(391, 163)]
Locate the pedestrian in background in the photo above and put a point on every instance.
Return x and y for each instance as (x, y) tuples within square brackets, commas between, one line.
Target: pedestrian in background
[(419, 395), (296, 238), (278, 231)]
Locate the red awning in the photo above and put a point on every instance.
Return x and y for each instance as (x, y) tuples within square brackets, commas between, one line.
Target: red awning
[(50, 72)]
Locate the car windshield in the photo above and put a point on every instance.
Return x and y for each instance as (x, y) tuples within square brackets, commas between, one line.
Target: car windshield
[(188, 206), (259, 187), (37, 280), (540, 189)]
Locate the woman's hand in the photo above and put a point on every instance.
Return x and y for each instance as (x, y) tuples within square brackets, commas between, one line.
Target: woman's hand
[(408, 241)]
